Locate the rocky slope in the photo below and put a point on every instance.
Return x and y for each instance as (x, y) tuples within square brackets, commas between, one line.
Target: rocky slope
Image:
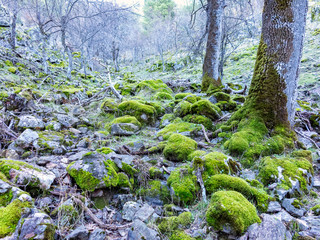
[(144, 159)]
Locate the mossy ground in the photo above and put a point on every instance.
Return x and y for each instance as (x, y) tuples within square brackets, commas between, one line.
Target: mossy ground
[(233, 209)]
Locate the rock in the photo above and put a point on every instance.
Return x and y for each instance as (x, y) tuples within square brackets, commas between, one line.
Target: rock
[(9, 153), (4, 187), (248, 174), (98, 234), (274, 207), (316, 183), (43, 203), (77, 156), (119, 159), (140, 231), (129, 210), (120, 199), (303, 225), (144, 213), (124, 129), (35, 226), (96, 170), (270, 228), (283, 216), (66, 120), (23, 173), (288, 204), (80, 233), (29, 121), (26, 138)]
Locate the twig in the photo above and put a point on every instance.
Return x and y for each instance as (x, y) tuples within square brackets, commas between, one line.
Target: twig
[(200, 181), (306, 137), (205, 134), (97, 220)]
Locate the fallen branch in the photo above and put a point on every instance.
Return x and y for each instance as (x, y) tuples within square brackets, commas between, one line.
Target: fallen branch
[(306, 137), (200, 181), (205, 134), (97, 220), (242, 91)]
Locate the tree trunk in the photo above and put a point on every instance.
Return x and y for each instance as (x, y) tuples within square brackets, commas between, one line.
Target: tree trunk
[(70, 63), (115, 56), (273, 90), (215, 14), (14, 25)]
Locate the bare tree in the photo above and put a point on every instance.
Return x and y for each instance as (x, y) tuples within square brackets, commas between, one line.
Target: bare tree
[(210, 75)]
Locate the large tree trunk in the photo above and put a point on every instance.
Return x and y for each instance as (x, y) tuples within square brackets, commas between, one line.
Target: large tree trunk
[(215, 14), (273, 89)]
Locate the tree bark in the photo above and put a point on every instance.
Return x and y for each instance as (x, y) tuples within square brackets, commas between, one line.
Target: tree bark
[(273, 90), (14, 25), (215, 14)]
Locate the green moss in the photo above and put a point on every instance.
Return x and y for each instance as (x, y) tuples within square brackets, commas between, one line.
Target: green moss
[(227, 105), (179, 147), (6, 165), (8, 63), (144, 113), (124, 119), (104, 150), (302, 154), (124, 180), (155, 172), (153, 86), (239, 98), (85, 180), (10, 216), (182, 109), (163, 96), (158, 107), (230, 208), (178, 127), (129, 170), (5, 198), (109, 105), (169, 224), (184, 183), (165, 118), (180, 235), (3, 177), (189, 97), (206, 108), (112, 178), (3, 95), (225, 182), (293, 168), (198, 119), (209, 83), (316, 210), (221, 96), (197, 153), (12, 70), (154, 190)]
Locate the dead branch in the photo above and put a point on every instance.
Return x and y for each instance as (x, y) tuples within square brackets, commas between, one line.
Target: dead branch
[(200, 181), (205, 134), (311, 140), (242, 91)]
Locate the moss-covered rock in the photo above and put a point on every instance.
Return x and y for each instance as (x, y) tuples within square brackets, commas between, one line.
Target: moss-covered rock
[(109, 105), (221, 96), (284, 170), (316, 210), (198, 119), (10, 216), (144, 113), (180, 235), (178, 126), (223, 181), (217, 163), (150, 87), (67, 212), (12, 70), (155, 189), (230, 209), (182, 109), (197, 153), (189, 97), (155, 172), (179, 147), (163, 96), (5, 198), (124, 119), (170, 224), (227, 105), (184, 184), (206, 108)]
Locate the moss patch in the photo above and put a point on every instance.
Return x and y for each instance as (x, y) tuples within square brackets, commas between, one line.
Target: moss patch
[(230, 208), (169, 224), (178, 127), (206, 108), (225, 182), (184, 183), (179, 147), (10, 216)]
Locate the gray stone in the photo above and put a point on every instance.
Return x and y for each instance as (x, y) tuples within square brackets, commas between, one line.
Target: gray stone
[(119, 159), (35, 226), (287, 204), (124, 129), (29, 121), (98, 234), (144, 213), (66, 120), (4, 187), (129, 210), (248, 174), (80, 233), (26, 138), (303, 225), (77, 156), (284, 216), (120, 199), (270, 228), (140, 231), (274, 207)]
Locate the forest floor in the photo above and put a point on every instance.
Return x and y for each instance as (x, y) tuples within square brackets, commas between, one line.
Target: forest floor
[(79, 162)]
